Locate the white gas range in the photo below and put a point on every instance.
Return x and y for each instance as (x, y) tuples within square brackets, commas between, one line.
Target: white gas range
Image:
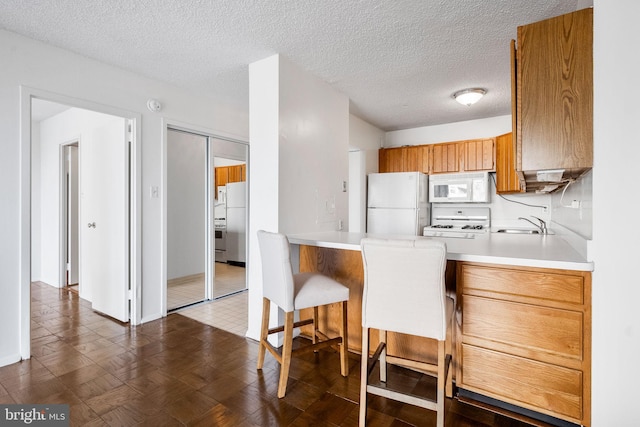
[(220, 232), (460, 223)]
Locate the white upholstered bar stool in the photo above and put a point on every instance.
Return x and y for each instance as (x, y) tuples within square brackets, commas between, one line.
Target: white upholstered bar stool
[(293, 292), (404, 291)]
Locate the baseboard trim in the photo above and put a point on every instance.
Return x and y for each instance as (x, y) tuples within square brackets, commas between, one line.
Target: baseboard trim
[(508, 410)]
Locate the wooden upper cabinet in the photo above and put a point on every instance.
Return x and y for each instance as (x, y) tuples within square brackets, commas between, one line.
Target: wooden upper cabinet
[(237, 173), (404, 159), (554, 94), (445, 158), (506, 177), (226, 174), (479, 155), (514, 107), (448, 157), (417, 158), (391, 159), (221, 177)]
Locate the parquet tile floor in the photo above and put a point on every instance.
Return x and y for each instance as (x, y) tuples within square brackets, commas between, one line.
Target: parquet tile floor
[(177, 371)]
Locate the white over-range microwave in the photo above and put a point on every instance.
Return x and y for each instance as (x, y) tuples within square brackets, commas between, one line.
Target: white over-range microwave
[(467, 187)]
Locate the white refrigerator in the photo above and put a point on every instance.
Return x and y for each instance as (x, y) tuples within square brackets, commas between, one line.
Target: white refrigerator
[(397, 203), (236, 222)]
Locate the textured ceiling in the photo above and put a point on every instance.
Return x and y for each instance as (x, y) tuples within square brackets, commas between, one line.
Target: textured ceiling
[(398, 61)]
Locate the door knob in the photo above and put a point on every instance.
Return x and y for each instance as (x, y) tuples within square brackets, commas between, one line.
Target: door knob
[(91, 225)]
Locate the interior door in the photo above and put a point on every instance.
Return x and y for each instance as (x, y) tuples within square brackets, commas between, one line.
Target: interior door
[(105, 219)]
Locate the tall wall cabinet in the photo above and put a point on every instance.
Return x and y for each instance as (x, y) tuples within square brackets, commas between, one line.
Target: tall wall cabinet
[(553, 71)]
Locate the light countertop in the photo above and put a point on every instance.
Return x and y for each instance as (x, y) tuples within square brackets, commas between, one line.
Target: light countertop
[(545, 251)]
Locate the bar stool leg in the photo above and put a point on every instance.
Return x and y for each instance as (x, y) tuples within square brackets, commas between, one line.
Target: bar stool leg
[(383, 356), (314, 335), (286, 353), (441, 384), (264, 332), (344, 346), (364, 380)]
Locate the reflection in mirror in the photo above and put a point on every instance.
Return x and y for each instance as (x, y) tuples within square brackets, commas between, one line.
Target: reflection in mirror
[(206, 229), (186, 218), (230, 216)]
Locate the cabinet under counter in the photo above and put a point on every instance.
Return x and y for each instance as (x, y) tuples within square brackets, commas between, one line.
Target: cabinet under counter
[(524, 337)]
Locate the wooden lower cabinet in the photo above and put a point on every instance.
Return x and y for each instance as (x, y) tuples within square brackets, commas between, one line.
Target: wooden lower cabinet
[(524, 337), (522, 334)]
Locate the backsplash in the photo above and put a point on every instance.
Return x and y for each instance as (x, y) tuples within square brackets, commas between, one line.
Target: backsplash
[(506, 210), (574, 209)]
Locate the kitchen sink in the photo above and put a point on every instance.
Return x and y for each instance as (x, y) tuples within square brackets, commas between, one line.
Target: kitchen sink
[(517, 231)]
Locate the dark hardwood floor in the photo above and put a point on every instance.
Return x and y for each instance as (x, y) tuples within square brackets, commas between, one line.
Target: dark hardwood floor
[(177, 371)]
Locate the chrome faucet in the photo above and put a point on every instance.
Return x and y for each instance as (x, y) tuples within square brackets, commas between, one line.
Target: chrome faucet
[(542, 226)]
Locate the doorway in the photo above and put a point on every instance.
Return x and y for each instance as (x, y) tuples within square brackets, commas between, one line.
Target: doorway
[(71, 212), (81, 163), (206, 217)]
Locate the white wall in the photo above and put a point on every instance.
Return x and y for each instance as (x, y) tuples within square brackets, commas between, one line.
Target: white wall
[(364, 142), (72, 125), (264, 166), (616, 325), (313, 152), (298, 159), (66, 75), (471, 129), (186, 204)]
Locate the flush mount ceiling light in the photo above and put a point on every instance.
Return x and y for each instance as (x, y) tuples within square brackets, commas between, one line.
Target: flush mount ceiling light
[(469, 97)]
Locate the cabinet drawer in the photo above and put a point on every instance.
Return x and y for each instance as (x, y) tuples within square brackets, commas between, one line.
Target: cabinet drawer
[(528, 330), (535, 385), (542, 285)]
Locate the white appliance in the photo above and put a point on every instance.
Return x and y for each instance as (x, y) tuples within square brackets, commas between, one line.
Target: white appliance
[(236, 222), (397, 203), (461, 223), (220, 232), (222, 194), (467, 187)]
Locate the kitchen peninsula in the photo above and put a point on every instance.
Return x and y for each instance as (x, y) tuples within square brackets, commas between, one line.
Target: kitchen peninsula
[(523, 315)]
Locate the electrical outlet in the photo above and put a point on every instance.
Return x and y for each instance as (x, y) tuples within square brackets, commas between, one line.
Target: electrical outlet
[(545, 208), (576, 204)]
